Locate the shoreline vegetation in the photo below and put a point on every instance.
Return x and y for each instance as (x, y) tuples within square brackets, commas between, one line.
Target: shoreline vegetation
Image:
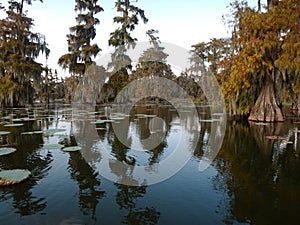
[(257, 65)]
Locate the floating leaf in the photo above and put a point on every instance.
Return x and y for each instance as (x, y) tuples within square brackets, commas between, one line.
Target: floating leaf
[(140, 115), (175, 123), (55, 130), (72, 149), (218, 114), (48, 134), (207, 121), (9, 177), (100, 128), (32, 132), (16, 120), (98, 122), (261, 124), (150, 116), (4, 132), (53, 146), (14, 125), (67, 121), (6, 151), (102, 121), (145, 115), (185, 111), (117, 118)]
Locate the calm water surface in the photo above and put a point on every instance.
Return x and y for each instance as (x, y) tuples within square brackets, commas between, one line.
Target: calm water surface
[(253, 180)]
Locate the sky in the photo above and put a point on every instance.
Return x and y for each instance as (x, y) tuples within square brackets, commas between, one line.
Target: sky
[(180, 22)]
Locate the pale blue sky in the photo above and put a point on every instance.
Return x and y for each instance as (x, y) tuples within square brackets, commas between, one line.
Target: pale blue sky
[(180, 22)]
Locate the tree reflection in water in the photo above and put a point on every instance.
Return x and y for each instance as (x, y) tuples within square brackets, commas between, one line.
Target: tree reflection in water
[(127, 196), (87, 179), (258, 175)]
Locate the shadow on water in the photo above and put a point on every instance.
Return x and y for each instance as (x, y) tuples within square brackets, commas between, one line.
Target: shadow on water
[(260, 176)]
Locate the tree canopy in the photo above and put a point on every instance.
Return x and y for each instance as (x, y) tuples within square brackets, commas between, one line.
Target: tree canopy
[(80, 48), (260, 61), (257, 66), (19, 48)]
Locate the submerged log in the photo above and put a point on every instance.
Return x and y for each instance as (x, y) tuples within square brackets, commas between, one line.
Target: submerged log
[(266, 108)]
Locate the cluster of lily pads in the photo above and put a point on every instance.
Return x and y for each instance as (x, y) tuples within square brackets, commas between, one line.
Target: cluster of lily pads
[(8, 177), (14, 176)]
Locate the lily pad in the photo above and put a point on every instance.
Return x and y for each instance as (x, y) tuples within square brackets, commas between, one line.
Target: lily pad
[(6, 151), (4, 132), (14, 125), (207, 121), (10, 177), (261, 124), (55, 130), (72, 149), (175, 123), (67, 121), (48, 134), (98, 122), (117, 118), (140, 115), (218, 114), (102, 121), (16, 120), (53, 146), (32, 132), (150, 116), (100, 128)]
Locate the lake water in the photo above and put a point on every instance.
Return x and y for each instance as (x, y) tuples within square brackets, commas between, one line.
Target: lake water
[(252, 180)]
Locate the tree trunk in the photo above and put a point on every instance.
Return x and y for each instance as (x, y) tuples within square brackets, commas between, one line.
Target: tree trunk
[(266, 108)]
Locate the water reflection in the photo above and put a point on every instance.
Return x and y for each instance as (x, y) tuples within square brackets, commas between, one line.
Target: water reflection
[(127, 197), (24, 201), (258, 175), (254, 180), (90, 191)]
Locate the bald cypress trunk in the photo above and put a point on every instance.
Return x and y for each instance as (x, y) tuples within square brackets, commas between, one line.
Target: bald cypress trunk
[(266, 108)]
